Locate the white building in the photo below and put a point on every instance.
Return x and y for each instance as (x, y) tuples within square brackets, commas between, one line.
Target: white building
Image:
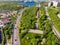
[(54, 3), (38, 5), (58, 15)]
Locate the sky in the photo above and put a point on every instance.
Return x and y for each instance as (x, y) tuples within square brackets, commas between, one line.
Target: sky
[(24, 0)]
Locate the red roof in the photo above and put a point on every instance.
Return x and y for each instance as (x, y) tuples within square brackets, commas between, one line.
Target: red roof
[(5, 20)]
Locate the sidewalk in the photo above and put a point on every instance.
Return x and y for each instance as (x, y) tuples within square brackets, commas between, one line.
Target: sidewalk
[(53, 27), (35, 31)]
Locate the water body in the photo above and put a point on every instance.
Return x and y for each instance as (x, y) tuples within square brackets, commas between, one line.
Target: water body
[(27, 3)]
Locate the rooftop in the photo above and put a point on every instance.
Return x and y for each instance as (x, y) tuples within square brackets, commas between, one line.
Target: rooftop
[(27, 3), (6, 20)]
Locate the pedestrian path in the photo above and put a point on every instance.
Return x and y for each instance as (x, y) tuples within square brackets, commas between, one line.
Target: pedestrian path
[(53, 27), (35, 31), (37, 17)]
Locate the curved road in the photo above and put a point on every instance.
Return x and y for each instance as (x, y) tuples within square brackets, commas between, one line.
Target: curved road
[(15, 36)]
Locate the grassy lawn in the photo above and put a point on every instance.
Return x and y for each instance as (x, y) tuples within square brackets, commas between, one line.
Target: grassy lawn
[(27, 21), (28, 18), (34, 39), (42, 19), (8, 6), (45, 25), (55, 19)]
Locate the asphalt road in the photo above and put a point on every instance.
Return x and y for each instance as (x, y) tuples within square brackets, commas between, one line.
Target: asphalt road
[(15, 36)]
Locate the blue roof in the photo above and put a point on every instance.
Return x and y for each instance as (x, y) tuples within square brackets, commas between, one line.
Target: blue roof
[(27, 3)]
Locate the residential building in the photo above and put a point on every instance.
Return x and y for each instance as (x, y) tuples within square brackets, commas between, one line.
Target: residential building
[(6, 21)]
